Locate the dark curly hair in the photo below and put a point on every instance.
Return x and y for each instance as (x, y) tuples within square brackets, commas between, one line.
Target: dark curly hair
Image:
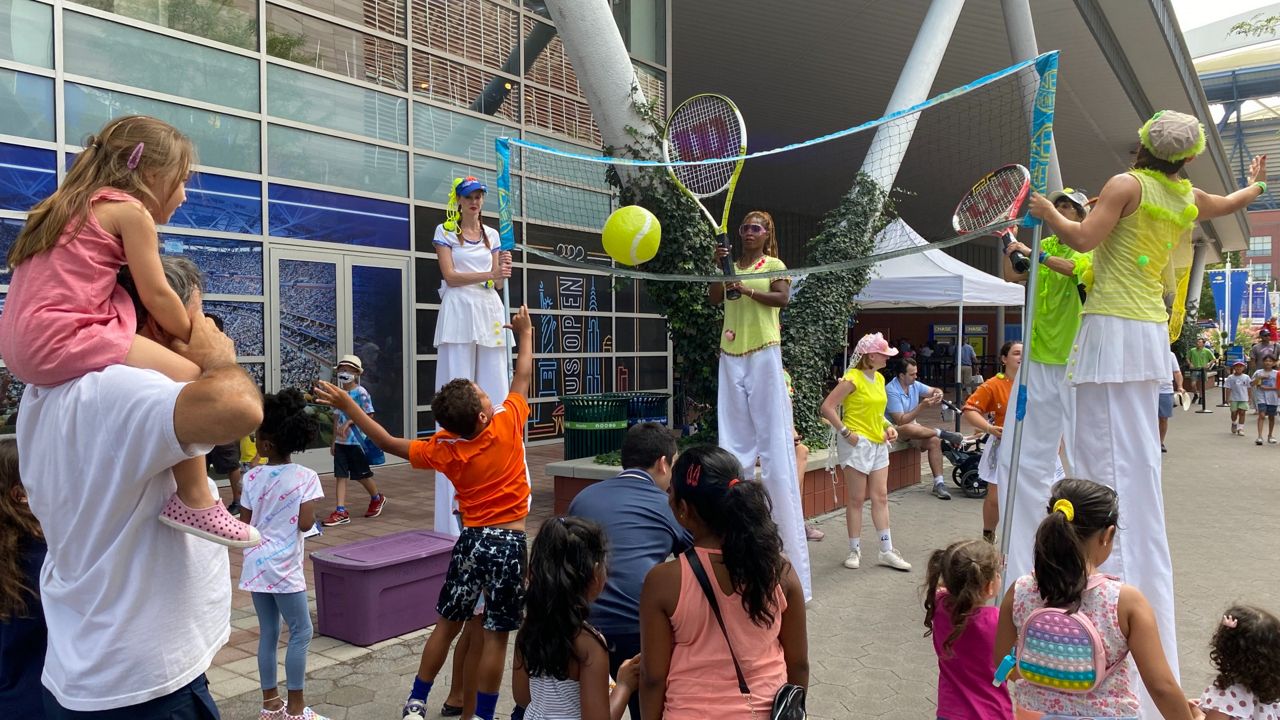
[(1060, 563), (1249, 653), (286, 424), (738, 511), (965, 569), (568, 555), (17, 528), (456, 407)]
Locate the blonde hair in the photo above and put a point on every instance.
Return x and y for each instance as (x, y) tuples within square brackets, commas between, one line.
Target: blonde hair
[(771, 240), (160, 155)]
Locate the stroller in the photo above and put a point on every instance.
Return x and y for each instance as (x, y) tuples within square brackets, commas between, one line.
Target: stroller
[(965, 461)]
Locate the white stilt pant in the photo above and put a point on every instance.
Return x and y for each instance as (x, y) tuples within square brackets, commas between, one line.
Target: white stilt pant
[(1049, 413), (754, 415), (487, 366), (1117, 443)]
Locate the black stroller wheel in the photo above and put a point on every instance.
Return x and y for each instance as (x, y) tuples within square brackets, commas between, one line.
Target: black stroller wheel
[(972, 485)]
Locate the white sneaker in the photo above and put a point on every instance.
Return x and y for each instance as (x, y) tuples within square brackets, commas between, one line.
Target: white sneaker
[(854, 561), (1258, 441), (892, 558)]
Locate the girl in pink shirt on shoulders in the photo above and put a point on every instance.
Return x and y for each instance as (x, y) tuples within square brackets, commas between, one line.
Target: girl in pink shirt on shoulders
[(66, 316), (959, 615)]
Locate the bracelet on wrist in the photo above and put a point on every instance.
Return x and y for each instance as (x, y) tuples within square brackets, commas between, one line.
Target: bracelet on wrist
[(1262, 185), (1044, 256)]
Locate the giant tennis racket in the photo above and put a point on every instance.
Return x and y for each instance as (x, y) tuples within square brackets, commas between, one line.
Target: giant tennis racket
[(996, 198), (707, 127)]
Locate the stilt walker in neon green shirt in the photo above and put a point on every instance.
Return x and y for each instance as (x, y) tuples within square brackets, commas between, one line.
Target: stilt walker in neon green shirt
[(1140, 234), (1063, 272)]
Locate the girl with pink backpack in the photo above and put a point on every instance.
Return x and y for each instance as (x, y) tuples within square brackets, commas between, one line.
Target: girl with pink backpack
[(1066, 631)]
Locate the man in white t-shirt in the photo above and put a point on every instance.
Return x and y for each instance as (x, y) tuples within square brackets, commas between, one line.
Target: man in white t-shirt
[(136, 610)]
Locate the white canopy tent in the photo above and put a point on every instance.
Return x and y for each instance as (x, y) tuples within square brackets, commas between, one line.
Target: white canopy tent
[(932, 279)]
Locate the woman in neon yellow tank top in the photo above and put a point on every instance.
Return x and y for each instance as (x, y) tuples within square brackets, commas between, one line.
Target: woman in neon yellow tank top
[(855, 407), (753, 410), (1140, 234)]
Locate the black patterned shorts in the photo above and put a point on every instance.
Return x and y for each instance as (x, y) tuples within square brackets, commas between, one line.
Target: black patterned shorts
[(489, 562)]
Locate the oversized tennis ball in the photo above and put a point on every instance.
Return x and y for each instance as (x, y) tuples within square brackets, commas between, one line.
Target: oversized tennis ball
[(631, 235)]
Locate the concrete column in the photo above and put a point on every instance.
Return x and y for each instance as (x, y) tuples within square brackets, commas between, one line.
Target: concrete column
[(604, 70), (884, 158), (1000, 329), (1022, 45)]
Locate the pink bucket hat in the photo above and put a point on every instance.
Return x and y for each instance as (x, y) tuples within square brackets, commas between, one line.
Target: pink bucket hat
[(874, 343)]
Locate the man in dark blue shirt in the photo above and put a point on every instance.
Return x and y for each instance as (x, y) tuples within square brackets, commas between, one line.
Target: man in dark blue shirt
[(633, 510)]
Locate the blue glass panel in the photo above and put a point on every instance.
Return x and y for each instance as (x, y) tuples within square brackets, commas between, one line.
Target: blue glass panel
[(308, 321), (318, 215), (169, 65), (27, 176), (27, 29), (217, 202), (9, 229), (335, 104), (28, 105), (230, 267), (311, 157), (242, 322), (221, 140), (377, 322)]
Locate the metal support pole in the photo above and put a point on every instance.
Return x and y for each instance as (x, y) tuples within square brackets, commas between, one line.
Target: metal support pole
[(1021, 30), (1204, 390), (889, 145)]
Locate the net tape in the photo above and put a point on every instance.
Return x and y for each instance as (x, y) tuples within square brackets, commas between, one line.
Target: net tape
[(556, 179)]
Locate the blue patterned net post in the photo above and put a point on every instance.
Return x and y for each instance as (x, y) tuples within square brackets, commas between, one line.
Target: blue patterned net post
[(506, 230)]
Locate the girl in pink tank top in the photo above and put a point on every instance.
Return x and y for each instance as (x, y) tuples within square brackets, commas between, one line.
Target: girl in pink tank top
[(66, 315), (1072, 541), (688, 671)]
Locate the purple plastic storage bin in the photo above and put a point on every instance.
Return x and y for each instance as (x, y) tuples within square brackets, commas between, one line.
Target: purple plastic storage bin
[(376, 589)]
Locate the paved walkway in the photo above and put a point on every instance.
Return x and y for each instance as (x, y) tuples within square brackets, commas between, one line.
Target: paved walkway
[(867, 653)]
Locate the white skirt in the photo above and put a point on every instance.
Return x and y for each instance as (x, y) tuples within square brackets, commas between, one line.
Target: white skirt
[(1111, 349), (471, 314), (866, 457)]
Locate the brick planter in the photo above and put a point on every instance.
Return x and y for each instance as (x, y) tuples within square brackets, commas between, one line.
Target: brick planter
[(820, 492)]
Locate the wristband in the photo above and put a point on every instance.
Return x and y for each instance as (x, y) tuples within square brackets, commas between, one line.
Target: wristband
[(1043, 256), (1262, 185)]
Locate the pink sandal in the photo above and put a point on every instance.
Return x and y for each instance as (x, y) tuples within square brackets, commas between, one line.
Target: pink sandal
[(213, 523)]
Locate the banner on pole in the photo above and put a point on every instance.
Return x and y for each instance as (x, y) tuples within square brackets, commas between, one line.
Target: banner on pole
[(1235, 283), (1259, 303)]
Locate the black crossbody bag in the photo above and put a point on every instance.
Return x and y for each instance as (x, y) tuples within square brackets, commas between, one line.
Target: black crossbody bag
[(788, 703)]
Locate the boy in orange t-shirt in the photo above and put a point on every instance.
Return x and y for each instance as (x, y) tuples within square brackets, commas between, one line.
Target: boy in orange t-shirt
[(985, 410), (481, 449)]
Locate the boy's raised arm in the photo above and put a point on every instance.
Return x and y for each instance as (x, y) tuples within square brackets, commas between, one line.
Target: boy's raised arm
[(336, 397), (522, 326)]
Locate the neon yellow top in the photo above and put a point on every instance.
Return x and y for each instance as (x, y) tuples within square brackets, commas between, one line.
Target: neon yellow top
[(1133, 268), (863, 409), (248, 449), (749, 325), (1058, 304)]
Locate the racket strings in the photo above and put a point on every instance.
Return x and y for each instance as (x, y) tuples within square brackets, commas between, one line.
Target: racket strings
[(706, 128), (998, 199)]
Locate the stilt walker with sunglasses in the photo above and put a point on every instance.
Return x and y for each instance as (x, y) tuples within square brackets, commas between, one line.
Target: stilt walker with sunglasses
[(754, 411), (1140, 228), (1058, 302)]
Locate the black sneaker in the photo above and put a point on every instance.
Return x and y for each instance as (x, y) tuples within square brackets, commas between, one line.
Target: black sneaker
[(234, 508)]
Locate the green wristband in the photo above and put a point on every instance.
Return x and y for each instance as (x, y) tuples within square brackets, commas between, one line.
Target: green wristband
[(1262, 185)]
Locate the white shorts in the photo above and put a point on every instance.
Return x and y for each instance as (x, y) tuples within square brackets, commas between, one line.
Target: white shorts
[(866, 457)]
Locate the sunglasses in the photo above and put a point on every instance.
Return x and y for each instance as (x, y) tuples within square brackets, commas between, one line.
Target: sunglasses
[(752, 228)]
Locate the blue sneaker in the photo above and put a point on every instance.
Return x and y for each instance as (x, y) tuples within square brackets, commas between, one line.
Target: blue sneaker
[(414, 709)]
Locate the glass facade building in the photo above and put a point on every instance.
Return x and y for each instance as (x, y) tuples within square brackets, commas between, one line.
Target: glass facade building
[(328, 132)]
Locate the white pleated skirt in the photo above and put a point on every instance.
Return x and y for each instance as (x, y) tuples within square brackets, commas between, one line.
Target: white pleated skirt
[(1111, 349)]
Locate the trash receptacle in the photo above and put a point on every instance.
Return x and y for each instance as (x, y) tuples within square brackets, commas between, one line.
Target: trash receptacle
[(645, 407), (593, 424), (377, 589)]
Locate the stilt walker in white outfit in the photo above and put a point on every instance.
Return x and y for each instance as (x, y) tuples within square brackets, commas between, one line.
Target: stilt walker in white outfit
[(1056, 319), (471, 340), (754, 411), (1140, 228)]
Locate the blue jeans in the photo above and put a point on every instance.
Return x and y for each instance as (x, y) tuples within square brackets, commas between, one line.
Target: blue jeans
[(293, 607), (190, 702)]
